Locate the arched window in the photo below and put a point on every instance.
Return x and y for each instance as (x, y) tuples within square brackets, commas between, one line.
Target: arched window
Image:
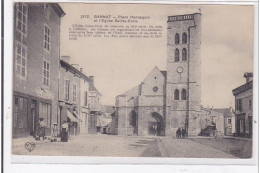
[(176, 95), (184, 54), (177, 39), (183, 94), (176, 55), (184, 38)]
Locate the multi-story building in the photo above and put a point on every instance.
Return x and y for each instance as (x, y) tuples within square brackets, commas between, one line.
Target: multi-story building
[(69, 95), (78, 97), (244, 107), (167, 100), (229, 120), (94, 108), (36, 66), (94, 96), (85, 84)]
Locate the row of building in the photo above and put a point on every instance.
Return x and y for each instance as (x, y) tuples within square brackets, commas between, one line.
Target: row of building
[(45, 84)]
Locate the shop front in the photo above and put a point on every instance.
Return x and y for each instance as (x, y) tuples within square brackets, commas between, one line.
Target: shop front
[(68, 113), (27, 110)]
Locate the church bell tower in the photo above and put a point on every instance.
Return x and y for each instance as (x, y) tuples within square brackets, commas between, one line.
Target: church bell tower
[(183, 87)]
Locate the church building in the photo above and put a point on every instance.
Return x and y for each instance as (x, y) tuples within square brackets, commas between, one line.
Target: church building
[(167, 100)]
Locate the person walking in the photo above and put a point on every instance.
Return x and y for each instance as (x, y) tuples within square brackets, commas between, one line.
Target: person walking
[(155, 130), (64, 131), (183, 132), (178, 133), (54, 132), (41, 129)]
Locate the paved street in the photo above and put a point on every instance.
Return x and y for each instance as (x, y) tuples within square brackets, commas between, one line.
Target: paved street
[(124, 146)]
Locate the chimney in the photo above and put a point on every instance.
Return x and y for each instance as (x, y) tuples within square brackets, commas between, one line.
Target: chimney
[(230, 109), (92, 79), (248, 76), (81, 70), (66, 58)]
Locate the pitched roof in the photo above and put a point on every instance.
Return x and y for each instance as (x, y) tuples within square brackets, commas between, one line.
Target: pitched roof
[(164, 73), (225, 111), (138, 89), (243, 88), (57, 8), (133, 91), (93, 88)]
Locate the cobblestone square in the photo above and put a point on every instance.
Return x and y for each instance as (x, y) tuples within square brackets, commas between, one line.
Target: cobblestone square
[(120, 146)]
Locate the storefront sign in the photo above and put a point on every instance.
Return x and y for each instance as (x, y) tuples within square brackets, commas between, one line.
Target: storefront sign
[(44, 93)]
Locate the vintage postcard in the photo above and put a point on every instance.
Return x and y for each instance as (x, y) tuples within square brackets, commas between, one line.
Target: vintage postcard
[(133, 80)]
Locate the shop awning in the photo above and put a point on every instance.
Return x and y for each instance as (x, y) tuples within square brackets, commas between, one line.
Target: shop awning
[(71, 117), (103, 121), (74, 112)]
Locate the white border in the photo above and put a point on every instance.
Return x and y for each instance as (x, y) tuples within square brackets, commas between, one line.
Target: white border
[(248, 165)]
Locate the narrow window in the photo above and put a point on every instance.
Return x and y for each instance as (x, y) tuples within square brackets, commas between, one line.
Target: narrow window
[(183, 94), (184, 54), (66, 89), (176, 55), (20, 60), (46, 73), (176, 94), (229, 121), (86, 98), (47, 35), (177, 39), (239, 105), (21, 17), (74, 93), (250, 104), (184, 38)]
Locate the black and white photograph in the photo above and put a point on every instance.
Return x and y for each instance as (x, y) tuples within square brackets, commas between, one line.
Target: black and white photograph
[(133, 80)]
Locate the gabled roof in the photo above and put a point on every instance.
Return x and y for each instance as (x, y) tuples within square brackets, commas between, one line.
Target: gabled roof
[(225, 111), (57, 8), (243, 88), (138, 89), (76, 71), (134, 91)]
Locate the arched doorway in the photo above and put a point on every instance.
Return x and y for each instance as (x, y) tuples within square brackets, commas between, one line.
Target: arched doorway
[(155, 124)]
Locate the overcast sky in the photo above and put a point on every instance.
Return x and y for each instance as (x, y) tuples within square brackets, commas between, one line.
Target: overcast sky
[(120, 64)]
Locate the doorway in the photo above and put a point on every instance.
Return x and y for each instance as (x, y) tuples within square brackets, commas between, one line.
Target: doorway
[(155, 125)]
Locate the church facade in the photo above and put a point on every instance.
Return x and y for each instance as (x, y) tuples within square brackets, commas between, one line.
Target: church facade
[(167, 100)]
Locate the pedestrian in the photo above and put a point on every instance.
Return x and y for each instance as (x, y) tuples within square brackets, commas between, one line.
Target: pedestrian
[(54, 132), (64, 131), (41, 129), (155, 130), (183, 132), (178, 133)]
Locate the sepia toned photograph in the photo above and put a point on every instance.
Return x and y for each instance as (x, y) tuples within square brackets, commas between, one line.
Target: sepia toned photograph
[(133, 80)]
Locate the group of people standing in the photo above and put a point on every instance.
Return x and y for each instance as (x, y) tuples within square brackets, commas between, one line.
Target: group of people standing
[(181, 133), (64, 134)]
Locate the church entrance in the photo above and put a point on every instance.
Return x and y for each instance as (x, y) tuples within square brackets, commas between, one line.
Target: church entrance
[(155, 125)]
